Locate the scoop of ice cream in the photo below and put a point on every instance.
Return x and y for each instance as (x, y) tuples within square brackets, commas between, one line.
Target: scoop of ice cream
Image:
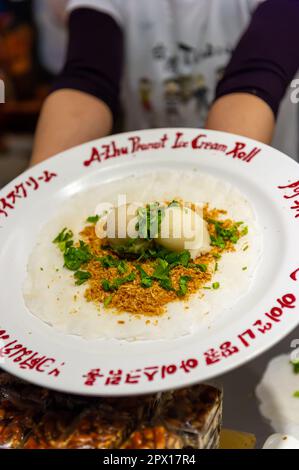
[(184, 229), (120, 229), (119, 224), (130, 228)]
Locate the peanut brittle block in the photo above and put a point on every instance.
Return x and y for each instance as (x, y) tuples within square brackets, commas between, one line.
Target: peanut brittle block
[(35, 418), (98, 428), (26, 395), (141, 408), (191, 419), (195, 414), (153, 437), (108, 423), (14, 425), (51, 432)]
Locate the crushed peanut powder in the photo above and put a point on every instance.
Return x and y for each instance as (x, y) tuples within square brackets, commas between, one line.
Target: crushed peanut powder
[(132, 297)]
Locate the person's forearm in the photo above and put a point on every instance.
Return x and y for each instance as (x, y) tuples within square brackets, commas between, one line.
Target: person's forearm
[(259, 72), (69, 118), (85, 96), (243, 114)]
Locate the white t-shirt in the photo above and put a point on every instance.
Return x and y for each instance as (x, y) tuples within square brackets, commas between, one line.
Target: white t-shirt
[(176, 51), (50, 18)]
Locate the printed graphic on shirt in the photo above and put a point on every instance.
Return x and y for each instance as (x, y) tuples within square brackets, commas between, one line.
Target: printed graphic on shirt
[(185, 91), (145, 92), (172, 99), (200, 93)]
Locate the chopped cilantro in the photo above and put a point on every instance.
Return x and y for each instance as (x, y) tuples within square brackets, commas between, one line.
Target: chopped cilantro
[(223, 235), (295, 365), (107, 300), (172, 258), (184, 258), (122, 267), (134, 247), (93, 219), (110, 262), (166, 284), (74, 257), (149, 220), (296, 394), (143, 222), (244, 232), (117, 283), (183, 283), (106, 285), (215, 285), (202, 267), (146, 280), (162, 274), (81, 277), (123, 280), (64, 239), (161, 271), (217, 241), (244, 268), (175, 259)]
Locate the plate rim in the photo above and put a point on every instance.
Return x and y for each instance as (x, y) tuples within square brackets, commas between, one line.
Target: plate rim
[(230, 365)]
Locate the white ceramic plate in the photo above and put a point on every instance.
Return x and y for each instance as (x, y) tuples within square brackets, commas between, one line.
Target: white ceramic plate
[(36, 352)]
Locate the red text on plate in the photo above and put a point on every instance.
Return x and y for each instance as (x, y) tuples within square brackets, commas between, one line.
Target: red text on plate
[(133, 377), (291, 191), (21, 191)]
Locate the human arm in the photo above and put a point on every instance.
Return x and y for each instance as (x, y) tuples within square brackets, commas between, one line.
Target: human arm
[(68, 118), (84, 97), (261, 68), (242, 114)]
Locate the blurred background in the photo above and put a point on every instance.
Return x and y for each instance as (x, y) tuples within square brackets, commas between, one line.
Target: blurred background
[(32, 46), (33, 39)]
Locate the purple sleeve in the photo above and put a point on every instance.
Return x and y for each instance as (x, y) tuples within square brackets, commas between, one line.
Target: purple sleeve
[(267, 56), (94, 57)]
